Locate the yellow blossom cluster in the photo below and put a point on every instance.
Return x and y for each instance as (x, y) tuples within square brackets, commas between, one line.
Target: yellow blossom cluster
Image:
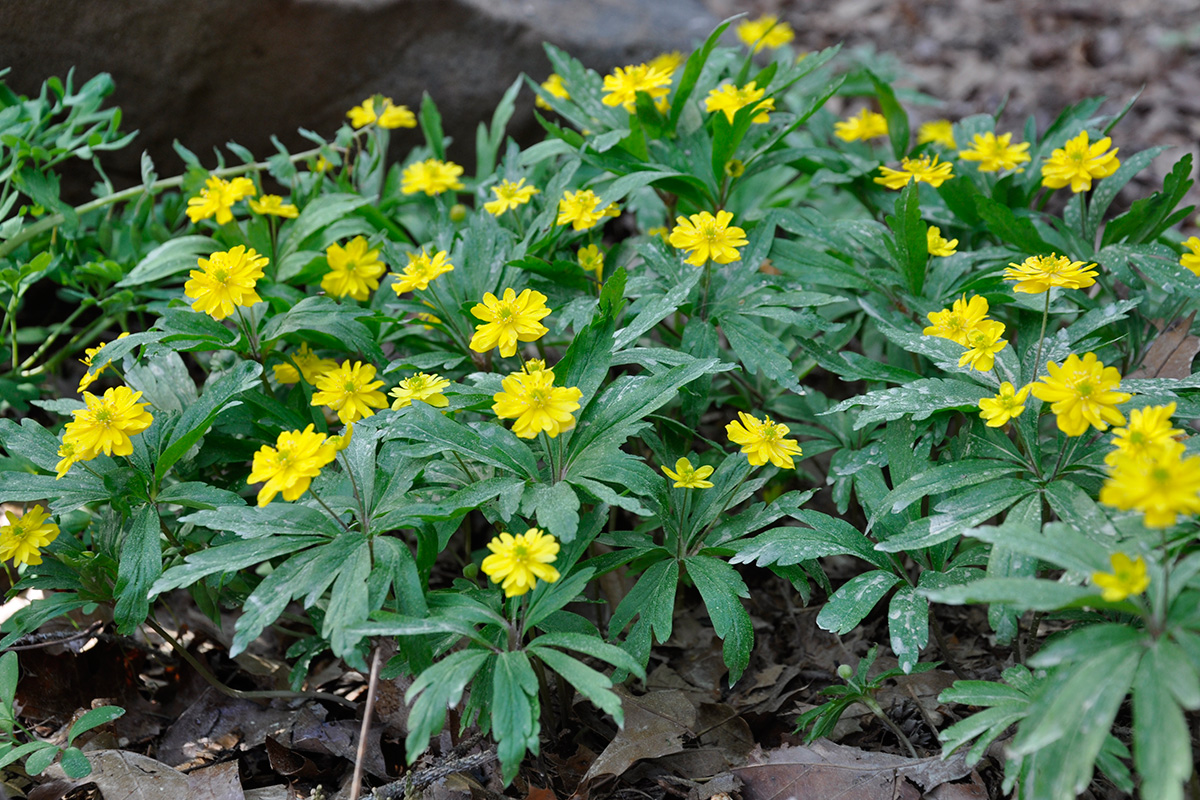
[(217, 197), (1148, 470), (388, 115), (708, 238), (23, 538), (622, 86), (537, 405), (103, 425), (967, 323), (518, 562)]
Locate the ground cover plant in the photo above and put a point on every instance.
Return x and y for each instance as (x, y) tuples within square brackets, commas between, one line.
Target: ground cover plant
[(707, 334)]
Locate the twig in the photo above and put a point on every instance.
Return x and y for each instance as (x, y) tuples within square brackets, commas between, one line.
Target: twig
[(415, 781), (361, 755), (229, 691), (35, 641)]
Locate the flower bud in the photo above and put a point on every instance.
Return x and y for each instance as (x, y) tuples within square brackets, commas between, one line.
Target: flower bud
[(845, 672)]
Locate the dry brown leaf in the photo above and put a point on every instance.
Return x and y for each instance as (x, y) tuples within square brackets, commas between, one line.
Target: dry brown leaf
[(1171, 354), (972, 789), (826, 770), (218, 782), (655, 725), (130, 776)]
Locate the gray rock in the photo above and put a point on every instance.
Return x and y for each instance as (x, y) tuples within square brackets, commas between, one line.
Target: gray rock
[(210, 71)]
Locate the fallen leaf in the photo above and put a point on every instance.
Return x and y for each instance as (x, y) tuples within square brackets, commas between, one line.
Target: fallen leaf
[(972, 789), (130, 776), (655, 725), (218, 782), (287, 762), (272, 793), (339, 737), (1171, 354), (827, 770), (216, 723)]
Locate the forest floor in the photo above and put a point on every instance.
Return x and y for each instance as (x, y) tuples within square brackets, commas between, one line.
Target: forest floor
[(689, 735)]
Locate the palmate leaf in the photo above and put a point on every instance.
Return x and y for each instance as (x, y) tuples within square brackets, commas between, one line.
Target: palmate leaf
[(721, 587)]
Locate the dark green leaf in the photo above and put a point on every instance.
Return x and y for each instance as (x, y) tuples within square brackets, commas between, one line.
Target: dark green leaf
[(139, 566)]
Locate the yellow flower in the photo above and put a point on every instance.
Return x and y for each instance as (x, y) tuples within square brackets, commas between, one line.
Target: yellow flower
[(918, 170), (688, 477), (273, 205), (995, 153), (582, 209), (353, 270), (518, 562), (533, 366), (515, 318), (66, 450), (291, 464), (707, 237), (90, 376), (622, 86), (667, 62), (392, 116), (536, 404), (1005, 406), (956, 322), (1191, 260), (23, 537), (1161, 483), (983, 342), (554, 87), (1127, 578), (431, 177), (225, 281), (592, 260), (1037, 274), (429, 319), (660, 232), (311, 365), (865, 125), (350, 391), (322, 164), (509, 195), (421, 270), (728, 98), (105, 424), (763, 441), (217, 198), (938, 246), (1077, 162), (1148, 431), (766, 31), (1083, 392), (938, 131), (422, 386)]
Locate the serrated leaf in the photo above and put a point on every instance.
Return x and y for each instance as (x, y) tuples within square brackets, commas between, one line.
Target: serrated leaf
[(556, 507), (435, 690), (1162, 748), (1027, 594), (170, 258), (325, 316), (514, 710), (199, 416), (922, 399), (138, 568), (588, 682)]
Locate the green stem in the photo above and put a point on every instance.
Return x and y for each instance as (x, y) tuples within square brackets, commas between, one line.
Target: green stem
[(364, 519), (44, 346), (1037, 360), (329, 510)]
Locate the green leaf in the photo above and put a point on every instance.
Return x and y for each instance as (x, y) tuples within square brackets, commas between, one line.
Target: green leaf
[(954, 516), (1059, 544), (1162, 748), (93, 719), (558, 594), (194, 494), (691, 74), (653, 310), (1150, 216), (139, 566), (317, 215), (757, 349), (588, 682), (1008, 227), (9, 673), (921, 398), (326, 316), (1087, 643), (252, 522), (485, 442), (230, 558), (788, 545), (721, 587), (908, 626), (1027, 594), (943, 478), (592, 646), (431, 126), (22, 750), (199, 416), (436, 689), (851, 603), (75, 764), (557, 509), (1106, 191), (897, 119), (348, 604), (653, 597), (170, 258), (910, 244), (37, 763), (514, 710)]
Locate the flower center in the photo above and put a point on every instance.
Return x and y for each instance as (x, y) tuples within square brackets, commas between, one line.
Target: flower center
[(520, 552), (1085, 389), (220, 275), (349, 387), (504, 313), (1160, 475)]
